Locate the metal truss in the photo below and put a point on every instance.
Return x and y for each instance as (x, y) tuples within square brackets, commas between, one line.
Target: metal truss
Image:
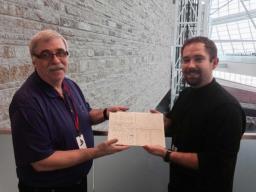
[(188, 23)]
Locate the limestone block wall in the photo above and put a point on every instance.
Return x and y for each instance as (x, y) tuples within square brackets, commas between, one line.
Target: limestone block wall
[(120, 50)]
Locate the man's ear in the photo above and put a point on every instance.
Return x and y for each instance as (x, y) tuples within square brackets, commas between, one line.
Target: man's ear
[(33, 62), (215, 62)]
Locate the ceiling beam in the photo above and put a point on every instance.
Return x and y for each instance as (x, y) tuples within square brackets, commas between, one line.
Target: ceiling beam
[(234, 17)]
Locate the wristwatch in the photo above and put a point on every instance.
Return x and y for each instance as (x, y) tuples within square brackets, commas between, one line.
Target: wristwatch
[(167, 155), (105, 115)]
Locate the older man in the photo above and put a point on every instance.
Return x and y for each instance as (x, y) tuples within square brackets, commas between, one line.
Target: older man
[(206, 124), (51, 123)]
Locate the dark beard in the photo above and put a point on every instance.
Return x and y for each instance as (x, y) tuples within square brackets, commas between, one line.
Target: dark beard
[(192, 77)]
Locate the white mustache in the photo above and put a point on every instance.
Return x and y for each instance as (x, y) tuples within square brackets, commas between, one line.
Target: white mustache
[(56, 67)]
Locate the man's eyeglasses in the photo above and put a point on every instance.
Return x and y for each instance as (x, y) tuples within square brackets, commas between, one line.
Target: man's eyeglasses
[(48, 55)]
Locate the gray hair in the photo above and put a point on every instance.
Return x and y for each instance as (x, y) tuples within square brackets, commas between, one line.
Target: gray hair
[(44, 36)]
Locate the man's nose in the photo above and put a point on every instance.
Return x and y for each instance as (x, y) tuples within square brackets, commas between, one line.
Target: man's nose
[(191, 63), (55, 59)]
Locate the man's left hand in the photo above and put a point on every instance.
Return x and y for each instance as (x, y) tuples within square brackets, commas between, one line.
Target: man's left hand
[(116, 108)]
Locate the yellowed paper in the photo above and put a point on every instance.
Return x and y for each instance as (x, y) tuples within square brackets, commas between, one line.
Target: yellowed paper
[(137, 129)]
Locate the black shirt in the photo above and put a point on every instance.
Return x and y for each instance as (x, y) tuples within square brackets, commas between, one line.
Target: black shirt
[(210, 122)]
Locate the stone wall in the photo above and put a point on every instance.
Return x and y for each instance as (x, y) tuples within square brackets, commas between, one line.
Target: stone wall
[(120, 50)]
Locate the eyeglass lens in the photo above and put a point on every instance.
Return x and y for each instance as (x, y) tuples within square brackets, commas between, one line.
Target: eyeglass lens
[(49, 55)]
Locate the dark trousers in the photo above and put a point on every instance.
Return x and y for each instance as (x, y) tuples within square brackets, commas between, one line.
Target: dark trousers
[(78, 187)]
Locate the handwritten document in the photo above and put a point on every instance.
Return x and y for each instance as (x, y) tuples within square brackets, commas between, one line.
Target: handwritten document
[(137, 129)]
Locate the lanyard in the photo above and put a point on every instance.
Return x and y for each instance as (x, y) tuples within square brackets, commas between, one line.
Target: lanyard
[(70, 101)]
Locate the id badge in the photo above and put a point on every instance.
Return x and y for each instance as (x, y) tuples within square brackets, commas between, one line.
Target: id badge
[(81, 142)]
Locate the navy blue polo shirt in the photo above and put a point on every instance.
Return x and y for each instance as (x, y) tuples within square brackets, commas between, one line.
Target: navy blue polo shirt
[(42, 123)]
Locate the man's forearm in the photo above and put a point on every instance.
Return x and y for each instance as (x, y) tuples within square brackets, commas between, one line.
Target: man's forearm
[(97, 116), (167, 123), (65, 159), (189, 160)]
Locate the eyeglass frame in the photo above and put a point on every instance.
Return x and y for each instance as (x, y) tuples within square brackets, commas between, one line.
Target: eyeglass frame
[(52, 54)]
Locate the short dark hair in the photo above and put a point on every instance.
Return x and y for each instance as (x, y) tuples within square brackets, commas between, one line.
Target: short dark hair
[(208, 44)]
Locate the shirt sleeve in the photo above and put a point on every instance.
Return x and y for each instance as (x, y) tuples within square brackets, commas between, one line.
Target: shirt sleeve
[(222, 141), (31, 137)]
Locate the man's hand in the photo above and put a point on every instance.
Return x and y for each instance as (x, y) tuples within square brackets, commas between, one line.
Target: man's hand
[(154, 111), (167, 121), (155, 150), (109, 147), (186, 159), (65, 159), (116, 108), (99, 115)]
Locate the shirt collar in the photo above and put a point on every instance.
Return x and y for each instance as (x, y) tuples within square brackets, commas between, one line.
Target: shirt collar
[(205, 87), (47, 88)]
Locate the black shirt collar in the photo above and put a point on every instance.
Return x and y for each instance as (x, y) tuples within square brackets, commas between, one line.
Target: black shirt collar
[(205, 87)]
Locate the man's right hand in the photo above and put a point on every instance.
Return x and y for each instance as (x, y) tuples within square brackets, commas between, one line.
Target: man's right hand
[(109, 147), (155, 150), (167, 121)]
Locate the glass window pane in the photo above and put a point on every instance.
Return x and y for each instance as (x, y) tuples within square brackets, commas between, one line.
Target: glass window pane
[(233, 7), (244, 29), (219, 47), (214, 34), (233, 31), (223, 32), (253, 4), (253, 29), (237, 37), (227, 48), (238, 48), (249, 48)]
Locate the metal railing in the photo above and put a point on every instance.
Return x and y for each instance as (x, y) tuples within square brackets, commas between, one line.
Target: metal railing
[(237, 78)]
